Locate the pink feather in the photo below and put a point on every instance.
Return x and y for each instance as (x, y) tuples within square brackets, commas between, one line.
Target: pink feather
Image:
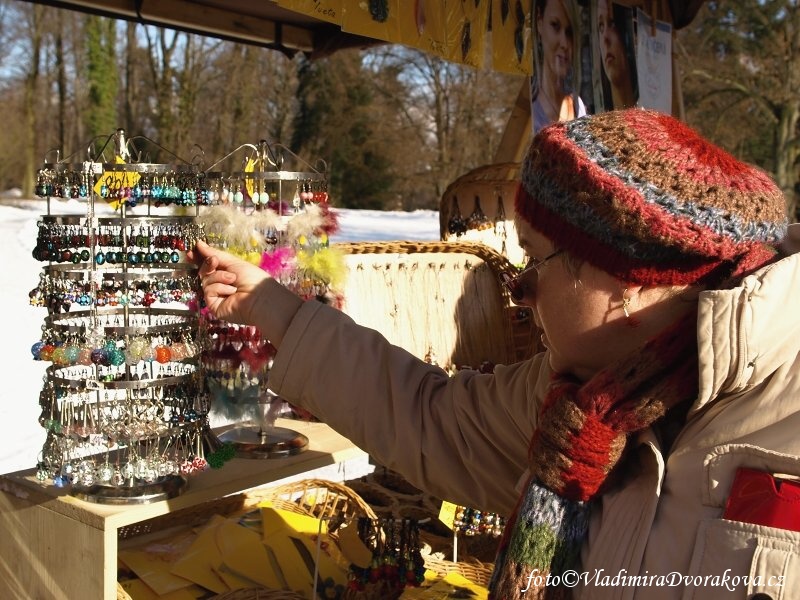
[(278, 261)]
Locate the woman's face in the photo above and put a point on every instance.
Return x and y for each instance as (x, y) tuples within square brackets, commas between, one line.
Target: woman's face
[(555, 32), (581, 315), (612, 52)]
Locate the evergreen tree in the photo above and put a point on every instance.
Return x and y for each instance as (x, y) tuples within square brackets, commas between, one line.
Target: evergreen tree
[(336, 122), (103, 76)]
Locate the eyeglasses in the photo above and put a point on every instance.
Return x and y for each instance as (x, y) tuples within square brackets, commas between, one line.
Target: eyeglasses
[(515, 283)]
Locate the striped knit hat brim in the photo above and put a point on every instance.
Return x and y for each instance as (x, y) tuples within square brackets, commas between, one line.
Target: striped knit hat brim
[(642, 196)]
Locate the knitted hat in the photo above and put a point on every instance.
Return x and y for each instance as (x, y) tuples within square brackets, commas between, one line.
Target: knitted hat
[(643, 197)]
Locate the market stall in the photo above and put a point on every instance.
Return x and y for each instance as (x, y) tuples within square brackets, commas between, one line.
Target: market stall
[(129, 389)]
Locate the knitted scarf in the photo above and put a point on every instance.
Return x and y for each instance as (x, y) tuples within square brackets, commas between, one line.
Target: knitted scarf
[(582, 432)]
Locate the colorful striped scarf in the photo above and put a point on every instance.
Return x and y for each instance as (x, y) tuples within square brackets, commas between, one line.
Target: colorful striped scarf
[(581, 435)]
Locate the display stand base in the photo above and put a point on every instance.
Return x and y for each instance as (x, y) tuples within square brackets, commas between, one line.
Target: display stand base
[(139, 493), (273, 442)]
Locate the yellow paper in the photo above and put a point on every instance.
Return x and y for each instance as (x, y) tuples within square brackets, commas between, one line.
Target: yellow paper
[(244, 554), (152, 560), (116, 180), (234, 581), (202, 559), (279, 520), (294, 570), (353, 548), (447, 514), (306, 529), (138, 590), (453, 585)]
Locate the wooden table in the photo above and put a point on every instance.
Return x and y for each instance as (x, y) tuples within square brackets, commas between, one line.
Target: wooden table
[(53, 545)]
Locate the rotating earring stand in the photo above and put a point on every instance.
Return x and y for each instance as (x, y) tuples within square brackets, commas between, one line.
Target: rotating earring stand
[(268, 196), (262, 439), (123, 402)]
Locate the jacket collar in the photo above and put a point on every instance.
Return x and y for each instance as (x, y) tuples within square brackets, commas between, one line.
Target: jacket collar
[(747, 333)]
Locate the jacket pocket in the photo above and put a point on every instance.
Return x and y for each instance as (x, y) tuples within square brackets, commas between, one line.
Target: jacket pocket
[(737, 560), (732, 559)]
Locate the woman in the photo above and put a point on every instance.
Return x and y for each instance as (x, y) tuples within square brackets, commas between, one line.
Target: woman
[(660, 273), (552, 94), (616, 58)]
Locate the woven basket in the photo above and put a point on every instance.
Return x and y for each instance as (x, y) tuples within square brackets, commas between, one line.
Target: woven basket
[(313, 497), (439, 299), (316, 497), (476, 571), (494, 187)]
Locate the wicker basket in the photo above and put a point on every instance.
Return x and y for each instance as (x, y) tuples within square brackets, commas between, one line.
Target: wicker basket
[(477, 572), (437, 298), (490, 189), (313, 497), (318, 498)]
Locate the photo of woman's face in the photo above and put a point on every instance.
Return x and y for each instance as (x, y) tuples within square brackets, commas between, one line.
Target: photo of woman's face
[(612, 52), (555, 33)]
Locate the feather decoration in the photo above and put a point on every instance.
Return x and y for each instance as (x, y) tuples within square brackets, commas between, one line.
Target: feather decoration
[(330, 219), (267, 220), (305, 223), (278, 262), (326, 264), (216, 220)]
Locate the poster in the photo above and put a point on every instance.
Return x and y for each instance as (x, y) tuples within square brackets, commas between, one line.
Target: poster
[(615, 78), (654, 63), (555, 84)]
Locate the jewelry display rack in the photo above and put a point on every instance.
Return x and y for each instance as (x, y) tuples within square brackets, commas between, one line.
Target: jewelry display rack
[(255, 205), (123, 402)]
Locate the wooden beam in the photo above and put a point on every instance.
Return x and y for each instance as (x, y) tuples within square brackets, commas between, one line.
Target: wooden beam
[(223, 23), (518, 127)]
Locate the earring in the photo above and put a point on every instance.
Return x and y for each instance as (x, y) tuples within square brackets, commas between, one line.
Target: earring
[(626, 303), (630, 320)]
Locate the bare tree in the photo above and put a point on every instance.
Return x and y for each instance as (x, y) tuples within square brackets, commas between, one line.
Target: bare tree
[(740, 62)]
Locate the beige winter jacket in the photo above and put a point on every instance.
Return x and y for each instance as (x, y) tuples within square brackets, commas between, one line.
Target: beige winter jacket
[(657, 535)]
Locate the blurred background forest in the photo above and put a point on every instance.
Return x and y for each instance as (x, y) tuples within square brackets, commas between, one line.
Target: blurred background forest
[(394, 125)]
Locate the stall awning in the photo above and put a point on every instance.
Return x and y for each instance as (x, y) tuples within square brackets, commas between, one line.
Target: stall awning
[(320, 27)]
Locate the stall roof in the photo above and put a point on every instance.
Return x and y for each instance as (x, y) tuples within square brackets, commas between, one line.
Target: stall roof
[(264, 23), (257, 22)]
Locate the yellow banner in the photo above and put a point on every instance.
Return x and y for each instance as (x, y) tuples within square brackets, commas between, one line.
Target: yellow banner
[(377, 19), (466, 25), (324, 10), (511, 37), (424, 26)]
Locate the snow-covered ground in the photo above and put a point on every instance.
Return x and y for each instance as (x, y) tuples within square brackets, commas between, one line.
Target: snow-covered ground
[(21, 436)]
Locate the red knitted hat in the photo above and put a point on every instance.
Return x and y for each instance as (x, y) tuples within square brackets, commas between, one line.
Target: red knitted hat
[(645, 198)]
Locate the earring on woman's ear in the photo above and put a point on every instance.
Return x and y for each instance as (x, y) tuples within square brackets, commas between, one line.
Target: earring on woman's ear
[(630, 321), (626, 303)]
